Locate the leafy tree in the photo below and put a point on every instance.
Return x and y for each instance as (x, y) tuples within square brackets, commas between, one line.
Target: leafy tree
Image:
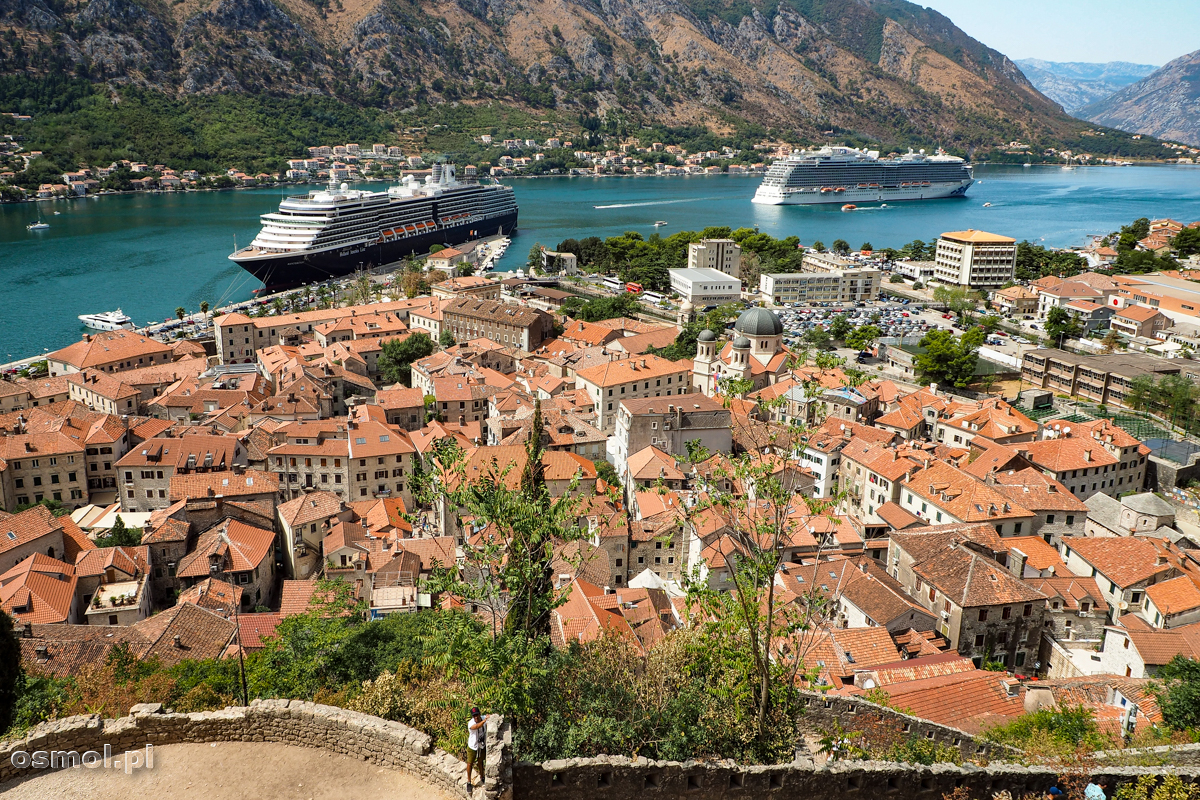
[(825, 360), (895, 277), (1141, 262), (1133, 233), (989, 323), (918, 285), (819, 246), (961, 301), (1061, 324), (413, 284), (10, 670), (120, 536), (866, 247), (622, 305), (1110, 341), (56, 507), (395, 360), (606, 472), (817, 336), (1177, 689), (949, 359), (862, 337), (301, 657), (1148, 787), (841, 247), (773, 640), (1034, 261), (1052, 731), (534, 262), (1187, 242), (506, 568), (446, 338), (839, 327)]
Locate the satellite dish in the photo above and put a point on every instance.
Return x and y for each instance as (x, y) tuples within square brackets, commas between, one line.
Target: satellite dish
[(1067, 429)]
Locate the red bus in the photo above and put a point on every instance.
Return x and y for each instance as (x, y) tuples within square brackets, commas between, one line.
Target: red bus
[(635, 288)]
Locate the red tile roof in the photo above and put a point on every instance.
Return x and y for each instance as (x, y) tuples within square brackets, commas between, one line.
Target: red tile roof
[(39, 589)]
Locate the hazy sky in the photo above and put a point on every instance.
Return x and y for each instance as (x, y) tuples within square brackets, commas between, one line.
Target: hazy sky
[(1140, 31)]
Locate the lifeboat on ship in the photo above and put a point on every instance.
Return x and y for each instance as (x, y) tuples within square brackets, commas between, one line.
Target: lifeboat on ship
[(840, 189), (825, 189), (874, 186)]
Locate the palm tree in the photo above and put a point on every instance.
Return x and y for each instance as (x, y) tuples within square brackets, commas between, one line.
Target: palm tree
[(181, 313), (204, 308)]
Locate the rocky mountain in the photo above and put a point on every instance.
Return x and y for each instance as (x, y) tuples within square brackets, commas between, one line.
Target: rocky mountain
[(878, 69), (1166, 104), (1073, 84)]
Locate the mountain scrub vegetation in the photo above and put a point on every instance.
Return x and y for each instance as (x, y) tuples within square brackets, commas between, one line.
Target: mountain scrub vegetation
[(219, 83)]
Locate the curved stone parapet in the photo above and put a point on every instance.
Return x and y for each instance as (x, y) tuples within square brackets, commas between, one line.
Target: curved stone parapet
[(290, 722)]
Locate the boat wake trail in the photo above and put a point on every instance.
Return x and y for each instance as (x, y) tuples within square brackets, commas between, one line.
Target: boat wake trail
[(658, 202)]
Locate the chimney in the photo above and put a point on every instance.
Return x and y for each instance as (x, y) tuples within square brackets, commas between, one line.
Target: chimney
[(1016, 562), (1087, 455), (178, 642), (43, 653)]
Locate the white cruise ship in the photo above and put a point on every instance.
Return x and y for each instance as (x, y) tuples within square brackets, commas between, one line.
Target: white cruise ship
[(334, 231), (107, 321), (846, 175)]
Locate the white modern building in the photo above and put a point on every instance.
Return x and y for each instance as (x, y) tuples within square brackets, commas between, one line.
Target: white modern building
[(705, 287), (719, 254), (835, 286), (975, 259)]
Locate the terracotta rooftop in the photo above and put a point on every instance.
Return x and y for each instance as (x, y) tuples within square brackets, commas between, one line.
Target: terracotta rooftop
[(39, 589), (202, 634), (1125, 560)]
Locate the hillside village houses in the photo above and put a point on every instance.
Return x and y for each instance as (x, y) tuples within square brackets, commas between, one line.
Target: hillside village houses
[(959, 530)]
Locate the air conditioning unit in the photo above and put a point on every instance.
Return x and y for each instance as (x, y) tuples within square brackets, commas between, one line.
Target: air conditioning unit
[(946, 615)]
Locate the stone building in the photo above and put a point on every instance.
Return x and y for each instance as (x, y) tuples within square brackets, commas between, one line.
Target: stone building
[(670, 425)]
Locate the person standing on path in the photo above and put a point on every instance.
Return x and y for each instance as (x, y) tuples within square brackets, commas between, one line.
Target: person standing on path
[(475, 734)]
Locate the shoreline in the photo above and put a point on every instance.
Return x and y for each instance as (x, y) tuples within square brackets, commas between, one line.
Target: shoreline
[(119, 193)]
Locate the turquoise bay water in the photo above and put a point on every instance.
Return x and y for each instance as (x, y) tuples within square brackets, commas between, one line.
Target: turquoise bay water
[(149, 254)]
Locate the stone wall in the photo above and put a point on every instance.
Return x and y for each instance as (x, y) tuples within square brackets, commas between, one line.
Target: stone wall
[(290, 722), (396, 746), (614, 778), (856, 714)]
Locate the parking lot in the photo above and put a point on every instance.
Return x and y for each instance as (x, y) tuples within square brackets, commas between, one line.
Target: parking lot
[(892, 318)]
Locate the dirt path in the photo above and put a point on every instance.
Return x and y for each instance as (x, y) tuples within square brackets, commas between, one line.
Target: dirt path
[(229, 769)]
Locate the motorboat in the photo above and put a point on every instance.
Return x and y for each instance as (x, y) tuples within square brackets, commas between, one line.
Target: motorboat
[(36, 226), (107, 321), (849, 207)]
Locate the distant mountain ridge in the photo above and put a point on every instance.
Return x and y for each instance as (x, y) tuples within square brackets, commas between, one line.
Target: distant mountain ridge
[(1165, 104), (1073, 84), (883, 70)]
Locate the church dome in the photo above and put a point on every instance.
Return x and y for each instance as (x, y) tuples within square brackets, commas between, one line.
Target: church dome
[(741, 343), (758, 322), (706, 336)]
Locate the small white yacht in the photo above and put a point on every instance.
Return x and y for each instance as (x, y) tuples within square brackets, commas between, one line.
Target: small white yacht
[(36, 226), (107, 321)]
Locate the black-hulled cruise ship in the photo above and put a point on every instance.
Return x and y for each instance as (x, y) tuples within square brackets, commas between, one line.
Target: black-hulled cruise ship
[(846, 175), (335, 231)]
